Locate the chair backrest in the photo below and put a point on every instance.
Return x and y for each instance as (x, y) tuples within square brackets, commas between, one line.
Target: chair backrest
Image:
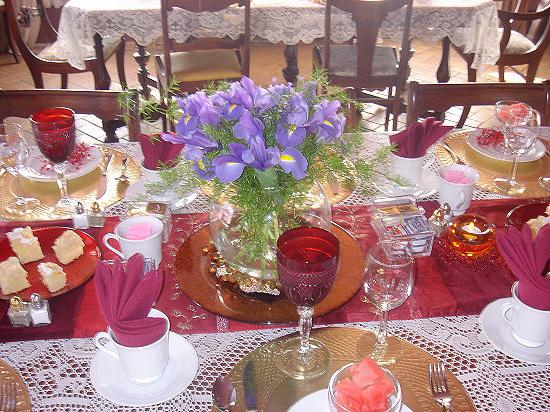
[(22, 17), (100, 103), (197, 6), (533, 24), (368, 16), (440, 97)]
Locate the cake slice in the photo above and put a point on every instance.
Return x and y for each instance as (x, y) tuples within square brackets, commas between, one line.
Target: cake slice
[(537, 223), (25, 245), (68, 247), (13, 277), (53, 276)]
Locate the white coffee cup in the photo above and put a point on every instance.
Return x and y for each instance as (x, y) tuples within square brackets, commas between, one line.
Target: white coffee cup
[(141, 364), (410, 168), (457, 195), (150, 247), (530, 326)]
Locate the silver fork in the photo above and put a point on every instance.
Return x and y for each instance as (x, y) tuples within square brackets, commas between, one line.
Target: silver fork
[(438, 385), (8, 397)]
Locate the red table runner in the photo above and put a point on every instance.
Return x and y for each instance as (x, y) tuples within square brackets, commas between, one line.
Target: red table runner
[(446, 284)]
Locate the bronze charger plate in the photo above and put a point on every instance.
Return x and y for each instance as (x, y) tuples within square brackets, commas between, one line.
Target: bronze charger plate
[(276, 392), (191, 272), (8, 374)]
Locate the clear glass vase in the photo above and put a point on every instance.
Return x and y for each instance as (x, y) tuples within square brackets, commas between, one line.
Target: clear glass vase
[(253, 253)]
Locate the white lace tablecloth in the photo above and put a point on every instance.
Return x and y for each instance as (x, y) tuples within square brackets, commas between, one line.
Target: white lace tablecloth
[(57, 371), (469, 23)]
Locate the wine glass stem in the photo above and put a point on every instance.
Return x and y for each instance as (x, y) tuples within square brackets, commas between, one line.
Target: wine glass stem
[(306, 315), (512, 178), (62, 184), (382, 335)]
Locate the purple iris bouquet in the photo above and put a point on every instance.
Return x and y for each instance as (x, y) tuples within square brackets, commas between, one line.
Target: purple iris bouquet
[(261, 149)]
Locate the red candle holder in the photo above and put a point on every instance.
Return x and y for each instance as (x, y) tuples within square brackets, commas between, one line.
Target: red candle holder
[(471, 235)]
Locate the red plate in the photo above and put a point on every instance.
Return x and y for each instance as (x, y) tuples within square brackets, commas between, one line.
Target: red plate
[(519, 215), (78, 271)]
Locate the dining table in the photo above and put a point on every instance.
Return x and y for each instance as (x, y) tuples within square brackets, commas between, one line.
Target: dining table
[(472, 24), (441, 317)]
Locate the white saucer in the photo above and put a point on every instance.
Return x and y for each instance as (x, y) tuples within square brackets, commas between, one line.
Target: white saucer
[(318, 402), (498, 332), (429, 184), (500, 153), (109, 379), (137, 191)]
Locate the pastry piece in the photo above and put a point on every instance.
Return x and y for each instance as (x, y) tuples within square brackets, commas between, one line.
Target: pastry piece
[(68, 247), (53, 276), (25, 244), (537, 223), (13, 277)]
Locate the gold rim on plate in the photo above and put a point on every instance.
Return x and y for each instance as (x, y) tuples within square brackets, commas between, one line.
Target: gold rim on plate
[(83, 188), (488, 168), (8, 374), (277, 392)]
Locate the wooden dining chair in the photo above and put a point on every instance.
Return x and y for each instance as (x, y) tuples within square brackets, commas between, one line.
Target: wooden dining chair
[(198, 61), (525, 35), (440, 97), (101, 103), (5, 31), (46, 60), (365, 65)]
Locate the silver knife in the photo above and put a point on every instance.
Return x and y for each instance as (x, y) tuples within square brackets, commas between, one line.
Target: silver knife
[(102, 184), (249, 382)]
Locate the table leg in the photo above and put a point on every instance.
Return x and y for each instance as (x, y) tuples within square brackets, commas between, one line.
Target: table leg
[(142, 57), (101, 78), (290, 72), (443, 71)]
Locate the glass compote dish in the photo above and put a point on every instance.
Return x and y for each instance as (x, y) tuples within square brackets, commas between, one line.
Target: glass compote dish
[(520, 133), (389, 279), (13, 154), (307, 259), (55, 135)]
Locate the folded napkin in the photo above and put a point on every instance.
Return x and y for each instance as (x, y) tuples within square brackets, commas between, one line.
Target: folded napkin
[(527, 257), (418, 137), (158, 152), (126, 298)]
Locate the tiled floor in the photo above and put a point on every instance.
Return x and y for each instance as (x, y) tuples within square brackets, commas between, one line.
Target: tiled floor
[(267, 62)]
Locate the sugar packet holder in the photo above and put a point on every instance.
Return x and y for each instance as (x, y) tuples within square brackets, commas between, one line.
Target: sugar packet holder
[(400, 219)]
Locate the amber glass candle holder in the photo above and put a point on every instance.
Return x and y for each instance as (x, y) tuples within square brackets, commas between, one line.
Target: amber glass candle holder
[(471, 235)]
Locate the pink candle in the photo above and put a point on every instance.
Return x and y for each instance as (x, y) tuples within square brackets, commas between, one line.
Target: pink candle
[(456, 176), (139, 231)]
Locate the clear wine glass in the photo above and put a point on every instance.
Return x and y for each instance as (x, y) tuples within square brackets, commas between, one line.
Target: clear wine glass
[(55, 135), (307, 259), (389, 279), (520, 133), (13, 155)]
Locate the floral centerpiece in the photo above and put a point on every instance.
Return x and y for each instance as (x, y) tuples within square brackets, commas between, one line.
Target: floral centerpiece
[(260, 153)]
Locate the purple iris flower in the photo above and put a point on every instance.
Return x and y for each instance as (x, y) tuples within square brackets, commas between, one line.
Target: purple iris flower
[(198, 138), (229, 167), (326, 122), (248, 127), (237, 101), (294, 162), (203, 169), (292, 128), (260, 157), (197, 109)]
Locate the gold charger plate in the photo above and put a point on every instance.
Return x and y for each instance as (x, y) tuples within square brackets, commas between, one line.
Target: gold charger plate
[(276, 392), (191, 270), (488, 168), (8, 374), (83, 188)]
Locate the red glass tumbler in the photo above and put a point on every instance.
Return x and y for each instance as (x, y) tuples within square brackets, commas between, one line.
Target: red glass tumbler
[(307, 260)]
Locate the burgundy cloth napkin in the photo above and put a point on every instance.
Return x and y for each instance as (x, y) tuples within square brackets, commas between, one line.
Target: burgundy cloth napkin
[(158, 152), (527, 257), (418, 137), (125, 298)]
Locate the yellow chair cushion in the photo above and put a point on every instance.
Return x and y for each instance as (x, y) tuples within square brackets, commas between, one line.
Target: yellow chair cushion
[(204, 65), (109, 46), (518, 43)]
